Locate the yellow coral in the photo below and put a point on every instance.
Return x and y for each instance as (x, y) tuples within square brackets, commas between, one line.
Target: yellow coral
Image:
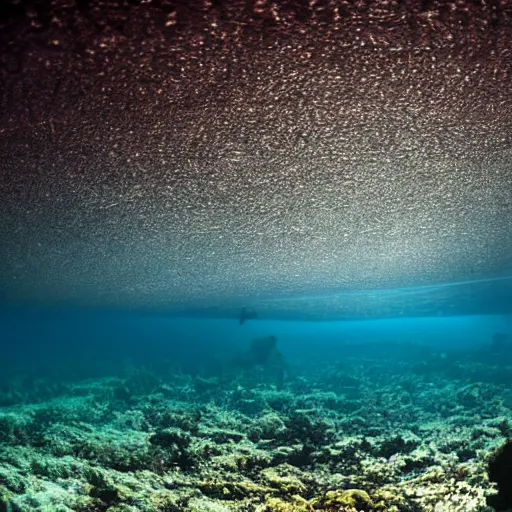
[(387, 500), (296, 504), (285, 484), (355, 499)]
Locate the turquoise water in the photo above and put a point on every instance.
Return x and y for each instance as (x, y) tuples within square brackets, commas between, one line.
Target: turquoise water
[(452, 315), (98, 341)]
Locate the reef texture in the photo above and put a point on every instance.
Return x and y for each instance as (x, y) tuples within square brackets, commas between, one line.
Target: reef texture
[(409, 434)]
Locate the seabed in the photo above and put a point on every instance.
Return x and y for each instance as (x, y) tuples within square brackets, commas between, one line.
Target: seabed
[(411, 433)]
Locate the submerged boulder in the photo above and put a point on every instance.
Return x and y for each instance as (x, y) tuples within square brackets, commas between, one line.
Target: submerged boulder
[(262, 350), (500, 472)]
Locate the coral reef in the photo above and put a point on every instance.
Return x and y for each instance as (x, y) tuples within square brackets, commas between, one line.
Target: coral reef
[(360, 434)]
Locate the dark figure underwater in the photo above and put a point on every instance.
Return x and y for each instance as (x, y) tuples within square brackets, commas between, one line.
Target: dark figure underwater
[(263, 356)]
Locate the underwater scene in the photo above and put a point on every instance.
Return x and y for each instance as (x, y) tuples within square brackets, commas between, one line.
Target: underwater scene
[(255, 256), (115, 411)]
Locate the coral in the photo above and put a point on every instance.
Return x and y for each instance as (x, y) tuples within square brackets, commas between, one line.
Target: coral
[(294, 504), (388, 500), (398, 444), (284, 479), (269, 426), (226, 490), (351, 499), (11, 480), (305, 426), (195, 444)]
